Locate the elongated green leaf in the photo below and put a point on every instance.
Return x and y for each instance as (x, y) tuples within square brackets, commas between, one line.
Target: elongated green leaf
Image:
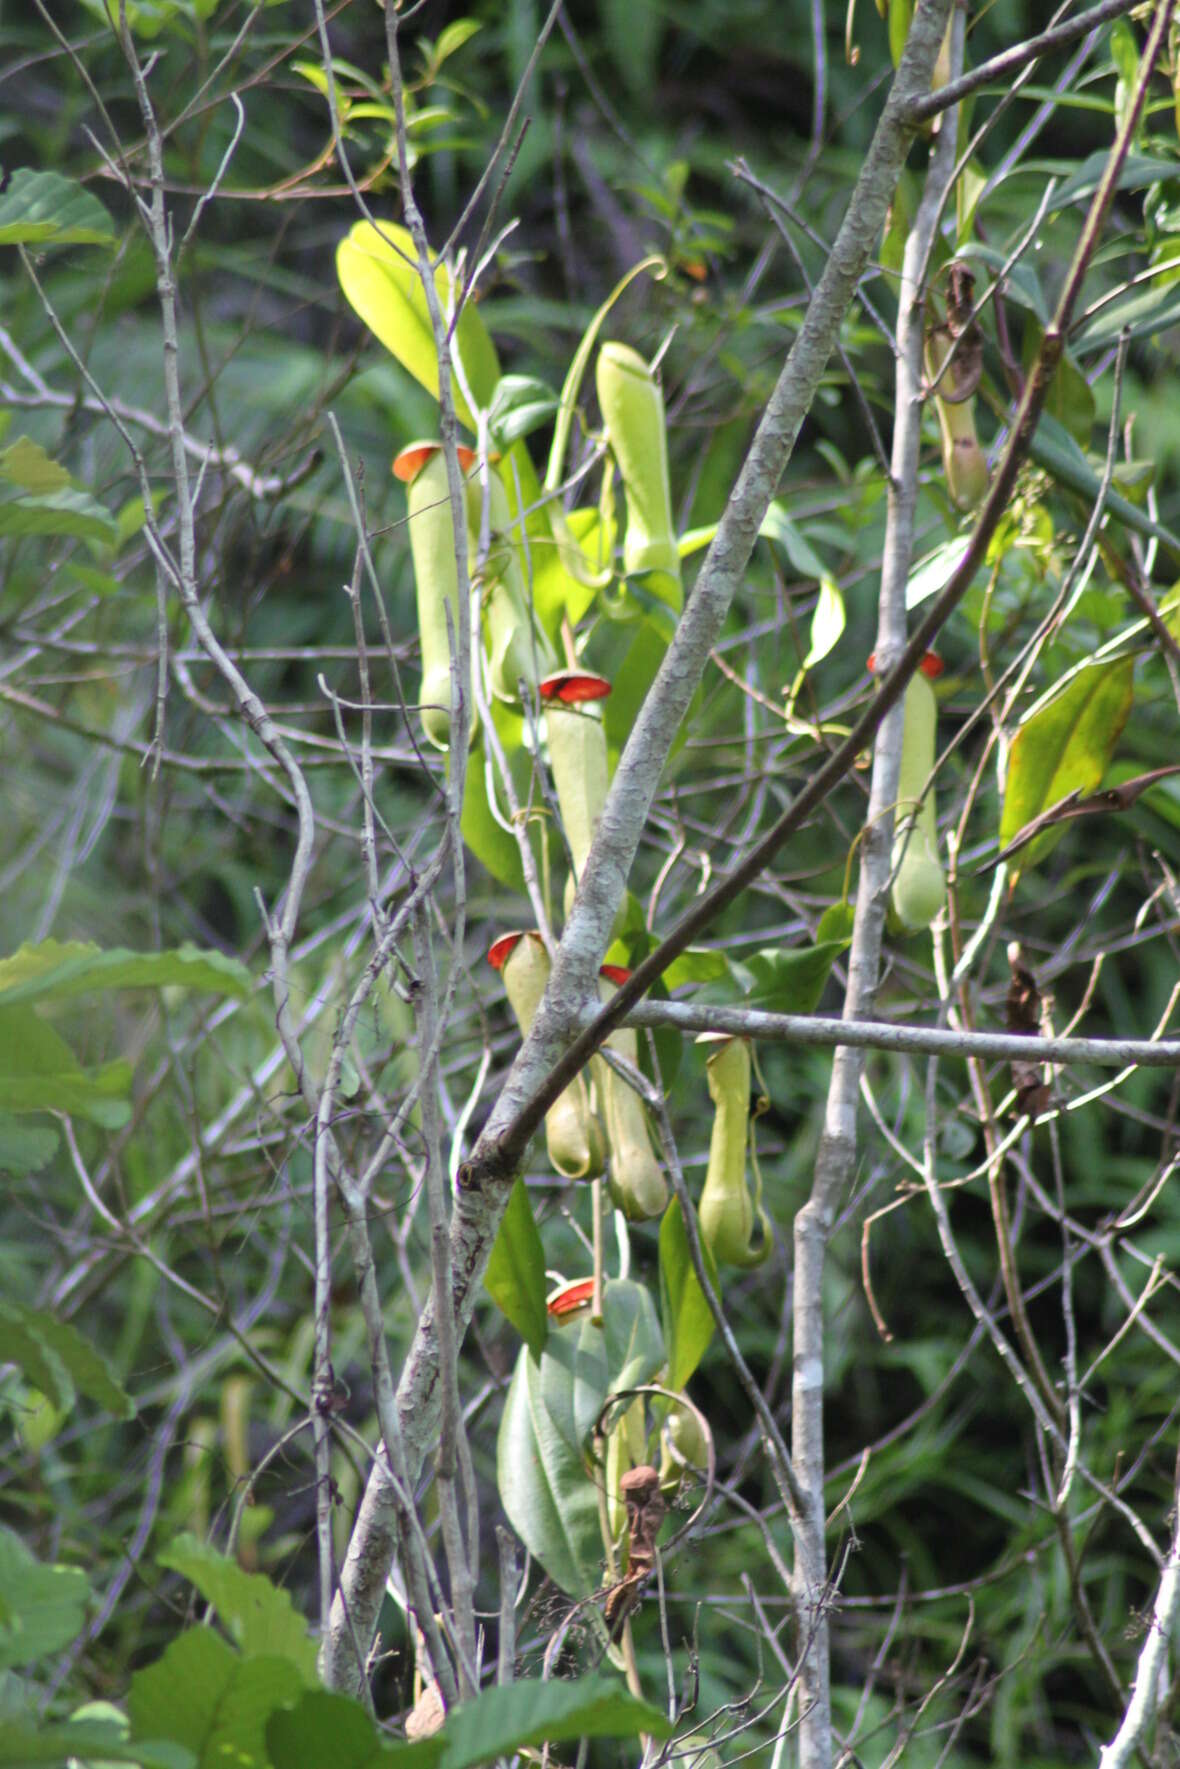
[(1149, 311), (87, 1371), (688, 1321), (256, 1614), (777, 526), (42, 1608), (634, 1342), (54, 971), (545, 1488), (1064, 745), (515, 1278), (40, 1073), (62, 512), (630, 683), (1137, 171), (493, 845), (1054, 449), (45, 209), (501, 1721), (378, 272), (933, 572), (453, 37), (827, 623)]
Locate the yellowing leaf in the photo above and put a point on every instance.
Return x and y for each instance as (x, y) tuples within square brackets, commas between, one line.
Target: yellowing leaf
[(378, 271)]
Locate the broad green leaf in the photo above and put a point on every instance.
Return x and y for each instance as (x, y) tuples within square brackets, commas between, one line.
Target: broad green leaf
[(25, 463), (258, 1616), (696, 964), (326, 1731), (21, 1344), (45, 209), (62, 512), (258, 1688), (827, 623), (775, 979), (501, 1721), (584, 1363), (42, 1608), (634, 1343), (547, 1492), (205, 1696), (836, 922), (178, 1695), (87, 1370), (25, 1148), (790, 980), (1064, 745), (687, 1318), (453, 37), (515, 1278), (40, 1073), (89, 1743), (378, 271), (53, 971)]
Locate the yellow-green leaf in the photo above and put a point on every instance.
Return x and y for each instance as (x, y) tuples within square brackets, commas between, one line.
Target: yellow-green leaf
[(1064, 745), (378, 271)]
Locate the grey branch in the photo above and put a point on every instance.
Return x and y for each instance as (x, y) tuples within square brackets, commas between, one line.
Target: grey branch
[(807, 1029)]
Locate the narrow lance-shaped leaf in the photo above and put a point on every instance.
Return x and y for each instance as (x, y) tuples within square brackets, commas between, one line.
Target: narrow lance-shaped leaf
[(515, 1278)]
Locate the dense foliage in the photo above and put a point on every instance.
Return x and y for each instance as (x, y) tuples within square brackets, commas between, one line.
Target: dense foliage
[(190, 949)]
